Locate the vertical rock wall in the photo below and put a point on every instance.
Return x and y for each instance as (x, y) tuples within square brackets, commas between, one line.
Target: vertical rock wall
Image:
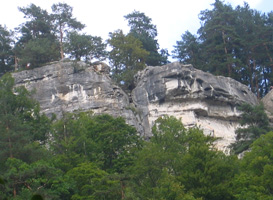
[(75, 86), (198, 98)]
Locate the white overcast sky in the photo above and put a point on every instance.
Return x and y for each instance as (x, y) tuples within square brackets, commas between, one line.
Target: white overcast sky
[(172, 17)]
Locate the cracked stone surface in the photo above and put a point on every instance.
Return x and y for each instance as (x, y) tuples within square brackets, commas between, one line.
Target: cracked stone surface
[(198, 98), (69, 86)]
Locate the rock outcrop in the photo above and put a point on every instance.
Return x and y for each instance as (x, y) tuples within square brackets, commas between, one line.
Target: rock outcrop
[(198, 98), (71, 86), (268, 104)]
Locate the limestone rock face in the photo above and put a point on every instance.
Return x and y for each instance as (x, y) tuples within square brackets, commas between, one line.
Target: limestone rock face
[(69, 86), (197, 97), (268, 104)]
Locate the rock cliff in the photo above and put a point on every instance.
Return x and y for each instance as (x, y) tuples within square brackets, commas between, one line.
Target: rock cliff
[(198, 98), (71, 86)]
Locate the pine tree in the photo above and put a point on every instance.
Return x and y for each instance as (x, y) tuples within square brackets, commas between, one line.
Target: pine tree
[(141, 27)]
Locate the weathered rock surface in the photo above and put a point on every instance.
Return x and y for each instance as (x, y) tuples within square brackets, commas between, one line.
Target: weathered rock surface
[(197, 97), (268, 104), (69, 86)]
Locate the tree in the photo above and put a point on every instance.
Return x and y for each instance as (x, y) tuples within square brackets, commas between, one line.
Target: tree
[(93, 183), (141, 27), (23, 154), (127, 57), (180, 163), (188, 50), (18, 114), (6, 55), (23, 180), (232, 42), (37, 52), (256, 171), (254, 123), (64, 22), (37, 44), (255, 35), (219, 38), (104, 140), (85, 46)]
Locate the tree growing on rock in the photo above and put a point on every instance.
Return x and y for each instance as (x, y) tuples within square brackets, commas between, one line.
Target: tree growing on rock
[(127, 57), (86, 47), (64, 22)]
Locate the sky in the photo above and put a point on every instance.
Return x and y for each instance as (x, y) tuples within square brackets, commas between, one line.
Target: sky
[(171, 17)]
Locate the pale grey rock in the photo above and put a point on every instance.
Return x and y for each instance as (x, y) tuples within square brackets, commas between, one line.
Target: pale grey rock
[(71, 86), (267, 100), (199, 98)]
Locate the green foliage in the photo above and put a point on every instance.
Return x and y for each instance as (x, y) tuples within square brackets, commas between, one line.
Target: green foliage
[(6, 55), (64, 22), (85, 46), (232, 42), (37, 52), (108, 141), (141, 27), (93, 183), (37, 44), (23, 133), (20, 122), (25, 179), (255, 179), (188, 50), (181, 163), (38, 24), (100, 157), (37, 197), (127, 57), (254, 123)]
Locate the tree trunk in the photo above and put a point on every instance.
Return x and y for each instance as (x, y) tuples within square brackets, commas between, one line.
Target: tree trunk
[(10, 145), (122, 190), (250, 75), (256, 81), (268, 55), (14, 191), (226, 52), (15, 63), (61, 42)]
